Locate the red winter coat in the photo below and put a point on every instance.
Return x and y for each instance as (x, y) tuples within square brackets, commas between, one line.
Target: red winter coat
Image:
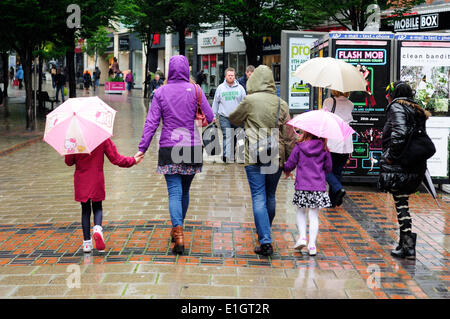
[(89, 180)]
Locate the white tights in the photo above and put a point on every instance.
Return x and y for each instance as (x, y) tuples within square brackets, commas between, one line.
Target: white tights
[(313, 214)]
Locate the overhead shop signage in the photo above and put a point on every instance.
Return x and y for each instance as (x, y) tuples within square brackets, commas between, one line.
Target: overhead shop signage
[(421, 22), (210, 41)]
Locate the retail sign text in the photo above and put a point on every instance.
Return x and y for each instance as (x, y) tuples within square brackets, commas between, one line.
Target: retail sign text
[(424, 21), (362, 56)]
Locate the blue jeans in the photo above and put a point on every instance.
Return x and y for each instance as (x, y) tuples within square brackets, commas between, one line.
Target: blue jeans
[(61, 88), (334, 178), (263, 188), (178, 188), (228, 137)]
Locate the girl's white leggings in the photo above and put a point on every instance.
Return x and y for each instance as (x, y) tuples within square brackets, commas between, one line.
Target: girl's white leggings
[(313, 214)]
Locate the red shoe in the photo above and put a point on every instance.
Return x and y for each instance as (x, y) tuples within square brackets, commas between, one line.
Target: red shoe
[(98, 238)]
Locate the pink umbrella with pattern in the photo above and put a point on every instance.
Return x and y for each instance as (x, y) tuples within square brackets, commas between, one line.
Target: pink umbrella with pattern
[(79, 125)]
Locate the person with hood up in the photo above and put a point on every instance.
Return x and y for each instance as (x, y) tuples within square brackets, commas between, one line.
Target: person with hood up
[(227, 97), (258, 112), (403, 115), (19, 76), (180, 144)]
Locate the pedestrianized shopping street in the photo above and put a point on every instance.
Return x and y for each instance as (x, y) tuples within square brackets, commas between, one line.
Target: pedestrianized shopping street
[(41, 236)]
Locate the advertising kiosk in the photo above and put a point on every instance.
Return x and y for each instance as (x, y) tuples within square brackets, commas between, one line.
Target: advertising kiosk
[(423, 60), (295, 50), (371, 52)]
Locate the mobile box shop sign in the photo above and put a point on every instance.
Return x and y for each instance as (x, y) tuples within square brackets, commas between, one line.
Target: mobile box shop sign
[(423, 22)]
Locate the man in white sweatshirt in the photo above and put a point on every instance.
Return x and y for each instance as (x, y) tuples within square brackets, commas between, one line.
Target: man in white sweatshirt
[(228, 96)]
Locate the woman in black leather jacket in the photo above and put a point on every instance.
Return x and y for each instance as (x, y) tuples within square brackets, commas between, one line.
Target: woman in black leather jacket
[(402, 115)]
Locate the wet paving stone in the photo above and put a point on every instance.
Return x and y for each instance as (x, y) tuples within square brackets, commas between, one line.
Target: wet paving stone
[(40, 229)]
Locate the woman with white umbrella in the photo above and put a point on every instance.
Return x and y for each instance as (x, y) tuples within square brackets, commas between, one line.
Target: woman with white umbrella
[(340, 105)]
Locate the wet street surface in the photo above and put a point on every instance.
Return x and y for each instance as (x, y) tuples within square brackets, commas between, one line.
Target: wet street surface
[(41, 236)]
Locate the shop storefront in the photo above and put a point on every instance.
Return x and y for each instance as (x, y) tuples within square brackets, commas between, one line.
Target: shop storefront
[(272, 55), (210, 55)]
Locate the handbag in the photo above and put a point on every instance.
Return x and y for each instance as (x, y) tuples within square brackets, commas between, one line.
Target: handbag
[(210, 139), (200, 118), (265, 149), (418, 149)]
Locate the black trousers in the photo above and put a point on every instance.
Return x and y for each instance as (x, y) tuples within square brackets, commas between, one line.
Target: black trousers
[(86, 209)]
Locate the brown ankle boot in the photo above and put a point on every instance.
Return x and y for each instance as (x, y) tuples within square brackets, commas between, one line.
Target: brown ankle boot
[(172, 235), (179, 240)]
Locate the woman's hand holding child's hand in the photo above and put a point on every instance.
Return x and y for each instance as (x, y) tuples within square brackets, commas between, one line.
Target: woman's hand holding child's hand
[(139, 157)]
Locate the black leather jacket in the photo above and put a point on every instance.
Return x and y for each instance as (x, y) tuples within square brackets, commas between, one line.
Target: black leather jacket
[(401, 117)]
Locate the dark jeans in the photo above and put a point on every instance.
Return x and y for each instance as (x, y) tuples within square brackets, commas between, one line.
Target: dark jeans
[(86, 217), (178, 188), (334, 178), (263, 188), (228, 131)]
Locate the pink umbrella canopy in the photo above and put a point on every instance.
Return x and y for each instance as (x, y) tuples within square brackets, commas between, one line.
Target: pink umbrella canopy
[(322, 124), (79, 125)]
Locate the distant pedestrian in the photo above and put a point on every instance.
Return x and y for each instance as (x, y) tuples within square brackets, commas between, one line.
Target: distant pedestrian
[(53, 74), (19, 76), (129, 80), (89, 183), (176, 104), (312, 160), (97, 74), (226, 99), (403, 116), (11, 74), (339, 104), (87, 80), (201, 77), (160, 73), (60, 81), (243, 79), (155, 84)]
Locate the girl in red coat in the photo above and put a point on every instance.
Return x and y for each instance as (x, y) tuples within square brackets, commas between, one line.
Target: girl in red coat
[(89, 183)]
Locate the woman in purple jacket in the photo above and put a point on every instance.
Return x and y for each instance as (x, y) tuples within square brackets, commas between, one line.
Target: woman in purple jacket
[(313, 161), (180, 146)]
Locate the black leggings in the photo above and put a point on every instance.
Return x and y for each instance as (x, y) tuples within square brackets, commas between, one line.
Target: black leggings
[(403, 216), (86, 217)]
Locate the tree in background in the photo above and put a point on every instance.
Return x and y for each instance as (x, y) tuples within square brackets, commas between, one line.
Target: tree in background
[(351, 14), (97, 44), (141, 17), (256, 19), (180, 16)]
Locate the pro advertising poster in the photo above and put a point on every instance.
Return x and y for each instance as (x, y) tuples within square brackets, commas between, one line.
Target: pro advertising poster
[(372, 58), (298, 91)]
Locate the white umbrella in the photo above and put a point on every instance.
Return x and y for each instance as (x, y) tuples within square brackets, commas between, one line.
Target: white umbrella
[(331, 73)]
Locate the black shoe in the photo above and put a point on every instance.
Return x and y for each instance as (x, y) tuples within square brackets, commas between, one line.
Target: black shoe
[(340, 196), (408, 247), (264, 249), (398, 249)]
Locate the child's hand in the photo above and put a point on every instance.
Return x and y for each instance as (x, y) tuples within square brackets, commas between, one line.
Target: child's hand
[(139, 157), (287, 175)]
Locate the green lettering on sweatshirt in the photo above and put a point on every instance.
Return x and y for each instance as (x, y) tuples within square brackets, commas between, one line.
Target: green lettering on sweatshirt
[(230, 95)]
